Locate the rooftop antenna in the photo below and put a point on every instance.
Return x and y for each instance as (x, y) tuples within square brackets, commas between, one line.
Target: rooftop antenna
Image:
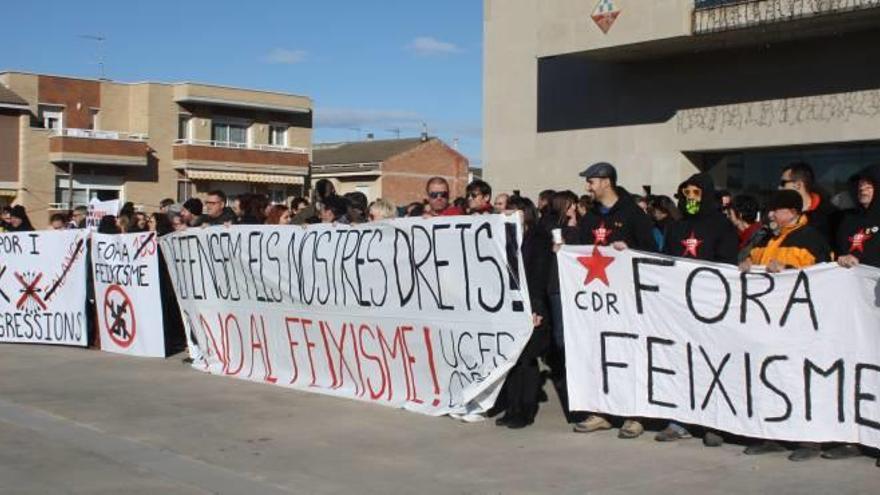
[(100, 40)]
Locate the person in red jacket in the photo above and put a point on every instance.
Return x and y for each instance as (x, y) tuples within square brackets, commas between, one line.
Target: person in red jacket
[(437, 190)]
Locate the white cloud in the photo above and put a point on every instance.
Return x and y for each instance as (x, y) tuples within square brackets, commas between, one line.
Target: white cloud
[(344, 118), (427, 46), (285, 56)]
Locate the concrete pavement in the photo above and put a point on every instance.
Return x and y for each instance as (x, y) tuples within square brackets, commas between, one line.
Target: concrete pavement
[(78, 421)]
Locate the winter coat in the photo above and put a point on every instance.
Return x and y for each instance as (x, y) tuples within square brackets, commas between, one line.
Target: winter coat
[(705, 235)]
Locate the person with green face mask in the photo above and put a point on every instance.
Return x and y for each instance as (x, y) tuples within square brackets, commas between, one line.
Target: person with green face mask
[(703, 233)]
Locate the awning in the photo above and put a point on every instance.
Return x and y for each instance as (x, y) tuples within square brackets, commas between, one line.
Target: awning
[(249, 105), (260, 178)]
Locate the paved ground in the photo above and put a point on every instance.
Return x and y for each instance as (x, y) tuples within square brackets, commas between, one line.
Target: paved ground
[(76, 421)]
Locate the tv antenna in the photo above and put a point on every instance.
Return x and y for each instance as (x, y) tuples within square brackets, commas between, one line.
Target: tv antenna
[(100, 41)]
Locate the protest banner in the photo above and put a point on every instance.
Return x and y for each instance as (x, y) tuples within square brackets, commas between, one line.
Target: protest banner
[(98, 209), (43, 287), (129, 305), (790, 356), (426, 315)]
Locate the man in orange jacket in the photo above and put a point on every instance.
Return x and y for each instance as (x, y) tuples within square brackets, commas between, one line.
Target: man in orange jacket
[(794, 244)]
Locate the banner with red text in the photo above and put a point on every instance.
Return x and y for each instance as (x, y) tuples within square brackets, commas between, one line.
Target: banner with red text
[(129, 306), (43, 287), (427, 315), (789, 356)]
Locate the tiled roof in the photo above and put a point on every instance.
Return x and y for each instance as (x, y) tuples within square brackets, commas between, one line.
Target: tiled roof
[(361, 151), (8, 97)]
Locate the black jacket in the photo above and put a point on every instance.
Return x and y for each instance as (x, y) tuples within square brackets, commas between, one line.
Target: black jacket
[(859, 232), (537, 250), (707, 235), (824, 218), (624, 221), (226, 216)]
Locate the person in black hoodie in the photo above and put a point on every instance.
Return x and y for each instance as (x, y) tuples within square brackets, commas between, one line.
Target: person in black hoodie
[(858, 238), (858, 242), (704, 232), (615, 220), (521, 392)]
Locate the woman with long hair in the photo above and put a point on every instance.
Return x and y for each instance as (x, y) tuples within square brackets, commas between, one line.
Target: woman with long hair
[(521, 393), (276, 213)]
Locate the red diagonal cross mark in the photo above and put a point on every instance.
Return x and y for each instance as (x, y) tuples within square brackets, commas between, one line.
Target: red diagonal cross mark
[(29, 291)]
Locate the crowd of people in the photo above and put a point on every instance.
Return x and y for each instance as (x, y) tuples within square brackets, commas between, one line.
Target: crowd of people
[(796, 228)]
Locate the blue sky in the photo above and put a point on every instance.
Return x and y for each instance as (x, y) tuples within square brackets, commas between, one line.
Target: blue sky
[(372, 66)]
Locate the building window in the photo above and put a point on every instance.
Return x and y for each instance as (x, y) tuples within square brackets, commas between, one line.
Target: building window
[(229, 133), (183, 127), (85, 189), (278, 135), (184, 190), (51, 116), (93, 119)]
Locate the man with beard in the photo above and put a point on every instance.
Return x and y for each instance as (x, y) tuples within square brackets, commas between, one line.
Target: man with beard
[(615, 220)]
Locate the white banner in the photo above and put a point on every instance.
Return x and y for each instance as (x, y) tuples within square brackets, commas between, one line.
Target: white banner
[(43, 287), (791, 356), (426, 315), (129, 305), (98, 209)]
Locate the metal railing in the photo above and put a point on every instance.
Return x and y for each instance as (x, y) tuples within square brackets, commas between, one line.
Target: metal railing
[(241, 146), (712, 16), (95, 134)]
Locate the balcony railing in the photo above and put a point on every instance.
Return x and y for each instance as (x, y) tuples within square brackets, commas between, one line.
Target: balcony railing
[(723, 15), (95, 134), (240, 146)]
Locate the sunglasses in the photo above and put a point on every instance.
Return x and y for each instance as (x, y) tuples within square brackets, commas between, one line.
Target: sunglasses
[(438, 194)]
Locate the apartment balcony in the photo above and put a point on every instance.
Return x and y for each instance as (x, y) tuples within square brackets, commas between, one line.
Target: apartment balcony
[(227, 161), (86, 146), (714, 16)]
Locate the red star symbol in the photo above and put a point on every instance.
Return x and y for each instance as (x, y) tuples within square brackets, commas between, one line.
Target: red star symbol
[(601, 235), (691, 245), (596, 265), (857, 242)]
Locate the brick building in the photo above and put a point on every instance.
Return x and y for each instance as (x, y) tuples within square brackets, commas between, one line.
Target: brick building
[(393, 169), (142, 142)]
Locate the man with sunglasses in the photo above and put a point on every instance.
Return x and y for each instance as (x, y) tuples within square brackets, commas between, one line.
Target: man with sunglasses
[(437, 190), (479, 196), (818, 209)]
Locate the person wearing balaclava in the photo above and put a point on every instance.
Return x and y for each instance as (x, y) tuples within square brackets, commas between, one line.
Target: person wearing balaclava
[(703, 233)]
